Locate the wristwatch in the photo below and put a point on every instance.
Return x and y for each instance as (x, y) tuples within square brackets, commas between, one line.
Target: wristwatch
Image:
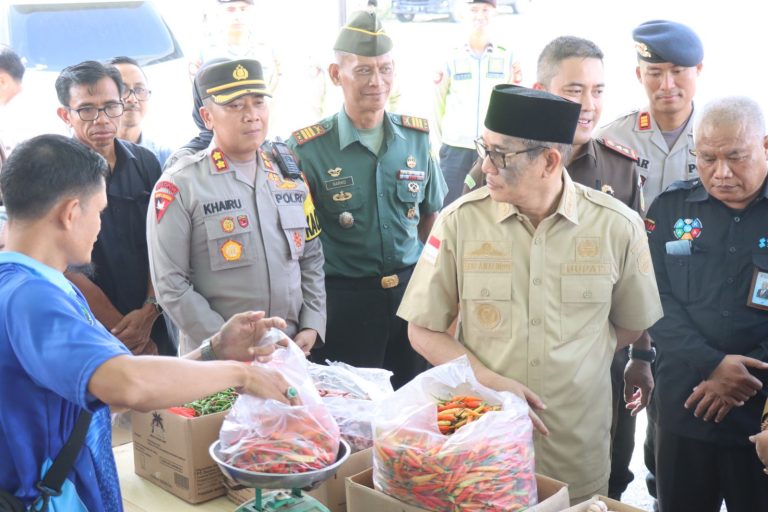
[(642, 355), (153, 301), (206, 351)]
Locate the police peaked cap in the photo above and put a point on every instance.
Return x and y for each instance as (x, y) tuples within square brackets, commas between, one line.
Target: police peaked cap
[(363, 35), (489, 2), (532, 114), (668, 41), (226, 81)]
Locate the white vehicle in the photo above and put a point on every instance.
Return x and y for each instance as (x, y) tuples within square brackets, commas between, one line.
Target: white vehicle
[(51, 35)]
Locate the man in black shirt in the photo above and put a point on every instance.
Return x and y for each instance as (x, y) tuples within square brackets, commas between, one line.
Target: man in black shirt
[(708, 244), (119, 292)]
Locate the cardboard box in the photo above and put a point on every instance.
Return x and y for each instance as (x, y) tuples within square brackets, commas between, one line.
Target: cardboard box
[(171, 451), (362, 497), (613, 505), (332, 493)]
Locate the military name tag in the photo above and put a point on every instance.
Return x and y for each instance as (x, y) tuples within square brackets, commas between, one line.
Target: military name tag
[(408, 175), (347, 181), (585, 269)]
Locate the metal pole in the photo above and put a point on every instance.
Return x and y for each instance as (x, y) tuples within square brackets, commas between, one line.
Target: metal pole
[(342, 13)]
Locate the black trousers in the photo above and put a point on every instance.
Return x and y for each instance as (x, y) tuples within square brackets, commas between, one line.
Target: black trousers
[(622, 430), (363, 329), (455, 163), (696, 476)]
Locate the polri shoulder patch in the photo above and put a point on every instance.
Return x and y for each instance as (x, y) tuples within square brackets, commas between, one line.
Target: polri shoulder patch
[(621, 149), (310, 132), (415, 123)]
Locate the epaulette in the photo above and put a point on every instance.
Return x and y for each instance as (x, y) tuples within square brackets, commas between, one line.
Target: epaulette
[(185, 161), (621, 149), (475, 195), (682, 185), (607, 201), (414, 123), (310, 132)]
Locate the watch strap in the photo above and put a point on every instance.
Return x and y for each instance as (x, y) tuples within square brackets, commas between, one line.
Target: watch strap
[(206, 351), (642, 354)]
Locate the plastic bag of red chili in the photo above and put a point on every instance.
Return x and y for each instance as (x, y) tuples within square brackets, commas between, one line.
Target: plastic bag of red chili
[(445, 442), (267, 436)]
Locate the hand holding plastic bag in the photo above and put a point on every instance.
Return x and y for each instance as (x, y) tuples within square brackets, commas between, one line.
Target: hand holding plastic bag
[(267, 436), (486, 464)]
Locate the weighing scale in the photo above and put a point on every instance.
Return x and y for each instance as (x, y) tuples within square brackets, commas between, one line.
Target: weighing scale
[(283, 491)]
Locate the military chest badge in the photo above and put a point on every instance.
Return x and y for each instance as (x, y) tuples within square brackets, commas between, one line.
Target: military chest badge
[(228, 224), (231, 250), (242, 220), (687, 229), (334, 173), (346, 220), (411, 213), (342, 196), (413, 187), (410, 162), (297, 240)]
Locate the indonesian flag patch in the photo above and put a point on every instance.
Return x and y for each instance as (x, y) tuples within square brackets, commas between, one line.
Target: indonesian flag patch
[(165, 193), (431, 250)]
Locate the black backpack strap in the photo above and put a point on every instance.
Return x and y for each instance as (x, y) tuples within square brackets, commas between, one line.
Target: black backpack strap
[(54, 478)]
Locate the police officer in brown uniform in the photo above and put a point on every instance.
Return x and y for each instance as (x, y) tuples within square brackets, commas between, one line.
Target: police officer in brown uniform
[(228, 228)]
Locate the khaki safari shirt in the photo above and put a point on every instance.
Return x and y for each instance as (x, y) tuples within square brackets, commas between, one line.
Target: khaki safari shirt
[(220, 245), (538, 305)]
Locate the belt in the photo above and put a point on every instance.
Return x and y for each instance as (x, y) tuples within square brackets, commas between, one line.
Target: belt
[(400, 277)]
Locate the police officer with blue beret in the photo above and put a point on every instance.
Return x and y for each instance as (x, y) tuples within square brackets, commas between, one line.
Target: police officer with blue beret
[(669, 61)]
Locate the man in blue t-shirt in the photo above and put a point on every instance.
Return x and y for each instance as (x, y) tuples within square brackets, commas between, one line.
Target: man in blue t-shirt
[(56, 359)]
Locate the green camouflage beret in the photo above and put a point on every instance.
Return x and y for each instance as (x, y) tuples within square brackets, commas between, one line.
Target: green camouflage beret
[(363, 35)]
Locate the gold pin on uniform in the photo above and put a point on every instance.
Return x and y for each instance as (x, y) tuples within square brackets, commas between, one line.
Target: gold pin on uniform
[(411, 213), (410, 161), (413, 187), (342, 196), (346, 220), (334, 172)]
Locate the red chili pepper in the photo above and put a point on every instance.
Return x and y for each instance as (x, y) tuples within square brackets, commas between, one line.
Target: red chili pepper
[(187, 412)]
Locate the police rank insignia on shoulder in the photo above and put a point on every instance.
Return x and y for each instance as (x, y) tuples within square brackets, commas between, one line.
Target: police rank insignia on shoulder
[(619, 148), (219, 161), (415, 123), (308, 133), (266, 160), (644, 121)]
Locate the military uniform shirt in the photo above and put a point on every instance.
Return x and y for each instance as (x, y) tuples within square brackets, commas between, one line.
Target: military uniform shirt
[(537, 306), (658, 165), (705, 279), (463, 90), (220, 245), (384, 195)]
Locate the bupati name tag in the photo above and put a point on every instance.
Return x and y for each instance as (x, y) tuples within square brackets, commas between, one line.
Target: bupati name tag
[(585, 269), (407, 175), (347, 181)]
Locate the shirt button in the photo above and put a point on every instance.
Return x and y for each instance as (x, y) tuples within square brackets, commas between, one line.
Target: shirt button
[(381, 194), (536, 281), (587, 294), (535, 321), (729, 280), (386, 226), (737, 219), (726, 313), (731, 250), (537, 240), (485, 292), (534, 362)]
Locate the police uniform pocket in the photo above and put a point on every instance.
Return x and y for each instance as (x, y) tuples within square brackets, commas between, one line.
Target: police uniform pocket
[(294, 224), (487, 303), (585, 303), (229, 240)]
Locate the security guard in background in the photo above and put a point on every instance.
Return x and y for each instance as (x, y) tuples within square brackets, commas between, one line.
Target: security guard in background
[(549, 277), (232, 228), (669, 57), (463, 87), (377, 191)]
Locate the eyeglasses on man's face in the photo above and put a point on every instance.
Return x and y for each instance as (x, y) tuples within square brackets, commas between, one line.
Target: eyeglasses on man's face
[(114, 109), (141, 93), (499, 159)]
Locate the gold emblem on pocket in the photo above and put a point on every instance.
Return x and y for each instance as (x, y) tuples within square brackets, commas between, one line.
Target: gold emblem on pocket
[(413, 187), (411, 213), (335, 172), (588, 247), (488, 316), (228, 224), (231, 250), (342, 196)]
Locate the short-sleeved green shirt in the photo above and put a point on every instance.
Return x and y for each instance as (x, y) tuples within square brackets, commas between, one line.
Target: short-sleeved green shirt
[(370, 205)]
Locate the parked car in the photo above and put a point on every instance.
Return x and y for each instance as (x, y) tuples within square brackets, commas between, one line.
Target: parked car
[(51, 35), (406, 10)]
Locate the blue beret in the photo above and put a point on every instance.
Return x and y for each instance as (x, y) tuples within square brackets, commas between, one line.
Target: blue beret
[(668, 41)]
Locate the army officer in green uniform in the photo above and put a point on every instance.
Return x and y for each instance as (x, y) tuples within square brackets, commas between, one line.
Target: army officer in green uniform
[(228, 230), (377, 191)]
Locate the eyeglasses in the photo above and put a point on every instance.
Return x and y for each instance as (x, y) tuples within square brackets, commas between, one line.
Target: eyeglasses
[(92, 113), (499, 159), (141, 93)]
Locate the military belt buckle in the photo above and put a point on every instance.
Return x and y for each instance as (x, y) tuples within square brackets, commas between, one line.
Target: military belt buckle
[(390, 281)]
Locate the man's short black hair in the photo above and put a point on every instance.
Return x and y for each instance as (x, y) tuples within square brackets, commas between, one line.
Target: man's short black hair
[(86, 73), (45, 169), (123, 59), (10, 62)]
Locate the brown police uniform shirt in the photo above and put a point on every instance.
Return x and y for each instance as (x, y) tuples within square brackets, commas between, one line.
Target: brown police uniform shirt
[(603, 165), (538, 304), (220, 244)]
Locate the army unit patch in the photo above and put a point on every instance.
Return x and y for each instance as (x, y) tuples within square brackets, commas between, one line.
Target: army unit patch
[(687, 229), (308, 133), (650, 226)]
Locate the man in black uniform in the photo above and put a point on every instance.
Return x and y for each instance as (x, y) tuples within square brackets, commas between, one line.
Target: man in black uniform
[(119, 290), (708, 242)]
